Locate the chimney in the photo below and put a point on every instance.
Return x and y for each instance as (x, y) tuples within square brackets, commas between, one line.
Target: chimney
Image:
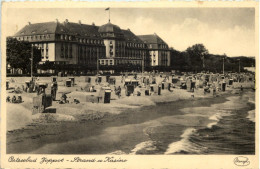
[(29, 23), (93, 24), (57, 20), (80, 22), (66, 21)]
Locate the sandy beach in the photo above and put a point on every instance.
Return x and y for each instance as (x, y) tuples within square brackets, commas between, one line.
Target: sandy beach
[(125, 126)]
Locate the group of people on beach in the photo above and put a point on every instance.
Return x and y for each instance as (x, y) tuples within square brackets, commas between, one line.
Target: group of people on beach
[(14, 99)]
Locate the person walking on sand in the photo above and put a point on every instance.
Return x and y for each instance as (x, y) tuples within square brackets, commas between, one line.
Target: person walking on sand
[(64, 98), (122, 78), (54, 88), (119, 92)]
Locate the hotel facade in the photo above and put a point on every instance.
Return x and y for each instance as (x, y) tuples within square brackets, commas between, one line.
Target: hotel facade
[(81, 44)]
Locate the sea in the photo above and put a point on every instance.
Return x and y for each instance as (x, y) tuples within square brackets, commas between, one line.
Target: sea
[(221, 125), (230, 129), (221, 128)]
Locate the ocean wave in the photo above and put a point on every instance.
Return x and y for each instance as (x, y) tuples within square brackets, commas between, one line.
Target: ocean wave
[(147, 145), (184, 144), (210, 125), (217, 117), (251, 115), (251, 100)]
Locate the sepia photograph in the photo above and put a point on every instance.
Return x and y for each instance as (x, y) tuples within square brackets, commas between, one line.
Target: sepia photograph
[(130, 81)]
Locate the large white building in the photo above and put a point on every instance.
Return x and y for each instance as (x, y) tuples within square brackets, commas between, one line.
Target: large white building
[(159, 51), (86, 45)]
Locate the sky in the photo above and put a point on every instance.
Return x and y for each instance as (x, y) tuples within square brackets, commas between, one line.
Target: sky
[(221, 30)]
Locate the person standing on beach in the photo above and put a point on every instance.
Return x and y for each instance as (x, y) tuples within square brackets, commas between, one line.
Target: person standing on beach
[(54, 88), (119, 92)]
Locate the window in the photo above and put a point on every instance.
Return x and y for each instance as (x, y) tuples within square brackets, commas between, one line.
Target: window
[(47, 50), (62, 51), (66, 37), (66, 50), (106, 62), (70, 51), (102, 62), (111, 62), (70, 38)]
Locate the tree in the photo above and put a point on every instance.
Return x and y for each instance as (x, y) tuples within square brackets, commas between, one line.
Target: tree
[(19, 55), (197, 54)]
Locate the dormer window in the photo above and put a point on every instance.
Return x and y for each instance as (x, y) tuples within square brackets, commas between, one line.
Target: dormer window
[(45, 31), (70, 37), (33, 32), (22, 33), (61, 37), (66, 37)]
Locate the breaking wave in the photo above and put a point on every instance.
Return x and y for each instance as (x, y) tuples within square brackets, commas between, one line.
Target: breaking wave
[(184, 145), (251, 115)]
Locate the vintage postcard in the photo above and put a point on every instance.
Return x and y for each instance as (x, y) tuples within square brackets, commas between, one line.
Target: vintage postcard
[(129, 85)]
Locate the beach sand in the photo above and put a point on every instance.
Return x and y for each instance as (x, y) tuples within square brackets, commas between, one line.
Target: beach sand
[(97, 128)]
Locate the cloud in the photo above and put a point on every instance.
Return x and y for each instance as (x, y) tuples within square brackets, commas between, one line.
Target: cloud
[(234, 41)]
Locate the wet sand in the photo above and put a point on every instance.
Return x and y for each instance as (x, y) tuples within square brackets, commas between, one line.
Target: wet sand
[(108, 134)]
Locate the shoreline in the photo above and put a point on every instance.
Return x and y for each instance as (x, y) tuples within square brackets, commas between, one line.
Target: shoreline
[(94, 126)]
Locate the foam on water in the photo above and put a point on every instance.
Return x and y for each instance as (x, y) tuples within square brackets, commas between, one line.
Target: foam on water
[(217, 117), (184, 144), (251, 115), (210, 125), (143, 145)]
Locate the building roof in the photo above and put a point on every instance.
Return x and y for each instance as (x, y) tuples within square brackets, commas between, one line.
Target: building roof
[(153, 38), (38, 28), (82, 29), (109, 28), (77, 29), (131, 37)]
